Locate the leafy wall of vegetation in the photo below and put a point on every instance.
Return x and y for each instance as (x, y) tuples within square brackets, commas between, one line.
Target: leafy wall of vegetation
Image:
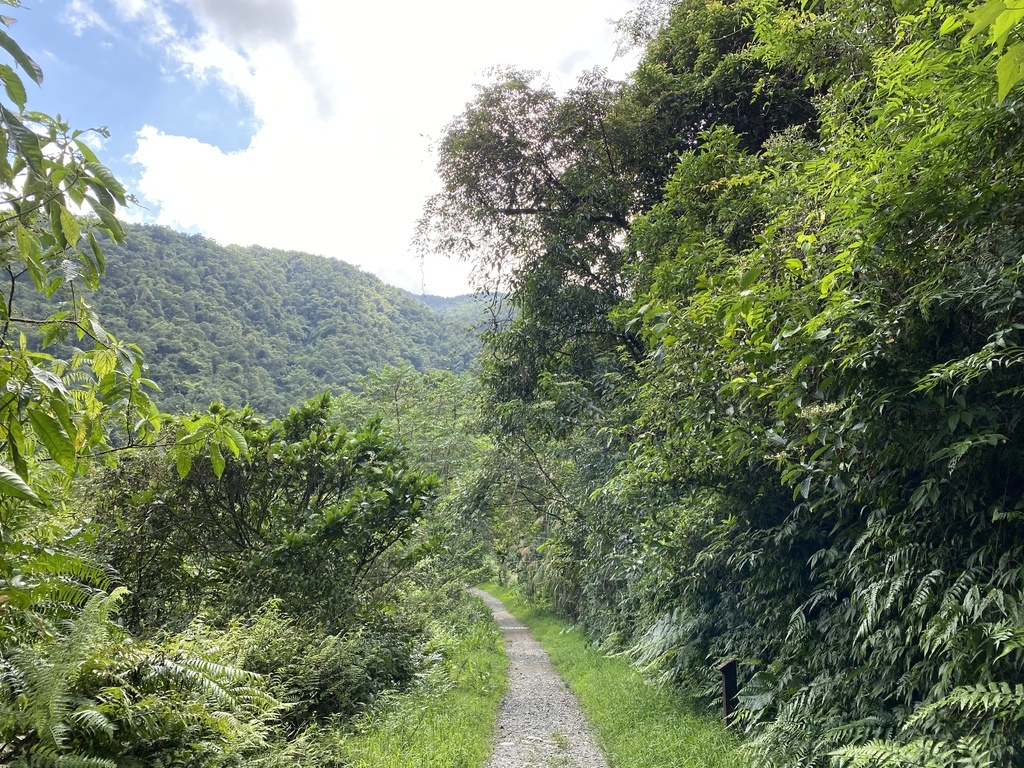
[(761, 398)]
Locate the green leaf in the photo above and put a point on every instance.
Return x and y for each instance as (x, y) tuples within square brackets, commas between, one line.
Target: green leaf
[(26, 141), (31, 251), (1010, 69), (97, 254), (951, 24), (14, 487), (109, 181), (87, 154), (52, 435), (236, 441), (749, 277), (984, 16), (110, 223), (23, 59), (63, 415), (184, 464), (91, 275), (13, 85), (69, 225), (217, 460), (1004, 24), (197, 436)]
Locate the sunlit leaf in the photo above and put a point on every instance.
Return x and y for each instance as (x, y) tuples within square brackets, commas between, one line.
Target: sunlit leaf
[(13, 85), (236, 441), (1010, 69), (217, 460), (183, 464), (110, 182), (69, 225), (53, 437), (13, 486), (23, 59)]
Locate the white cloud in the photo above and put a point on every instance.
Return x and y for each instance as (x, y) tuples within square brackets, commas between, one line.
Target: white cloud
[(151, 14), (346, 99), (81, 15), (245, 22)]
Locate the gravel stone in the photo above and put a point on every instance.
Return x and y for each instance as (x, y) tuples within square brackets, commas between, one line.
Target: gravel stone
[(540, 724)]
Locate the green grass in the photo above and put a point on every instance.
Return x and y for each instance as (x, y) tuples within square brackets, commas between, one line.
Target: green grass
[(447, 721), (637, 725)]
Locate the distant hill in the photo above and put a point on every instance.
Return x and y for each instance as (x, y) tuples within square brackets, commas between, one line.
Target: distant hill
[(265, 327), (468, 310)]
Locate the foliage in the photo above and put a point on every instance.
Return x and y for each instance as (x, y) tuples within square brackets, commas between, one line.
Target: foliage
[(1002, 21), (75, 687), (798, 442), (321, 677), (265, 328), (311, 513), (446, 721)]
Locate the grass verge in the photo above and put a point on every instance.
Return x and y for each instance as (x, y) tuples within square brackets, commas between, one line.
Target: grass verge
[(446, 721), (637, 725)]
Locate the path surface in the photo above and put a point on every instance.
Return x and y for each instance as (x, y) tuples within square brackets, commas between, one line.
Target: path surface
[(539, 721)]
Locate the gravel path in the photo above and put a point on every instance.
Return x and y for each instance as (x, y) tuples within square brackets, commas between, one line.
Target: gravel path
[(539, 721)]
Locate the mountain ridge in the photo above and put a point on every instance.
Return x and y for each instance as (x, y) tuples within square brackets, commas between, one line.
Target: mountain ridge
[(264, 326)]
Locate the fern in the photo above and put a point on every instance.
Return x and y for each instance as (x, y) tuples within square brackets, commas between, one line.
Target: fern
[(954, 732)]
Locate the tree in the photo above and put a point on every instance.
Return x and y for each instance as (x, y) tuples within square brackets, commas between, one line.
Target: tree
[(308, 512)]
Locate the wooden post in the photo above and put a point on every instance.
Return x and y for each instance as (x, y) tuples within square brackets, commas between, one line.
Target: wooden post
[(729, 689)]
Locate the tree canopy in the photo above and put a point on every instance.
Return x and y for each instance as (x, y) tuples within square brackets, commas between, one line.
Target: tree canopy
[(263, 327)]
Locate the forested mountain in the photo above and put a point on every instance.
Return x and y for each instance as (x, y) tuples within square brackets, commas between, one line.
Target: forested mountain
[(266, 327)]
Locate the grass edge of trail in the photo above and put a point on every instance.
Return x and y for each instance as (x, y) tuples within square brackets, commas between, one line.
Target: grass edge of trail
[(448, 720), (637, 725)]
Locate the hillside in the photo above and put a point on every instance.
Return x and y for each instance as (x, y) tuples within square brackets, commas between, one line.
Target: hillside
[(261, 326)]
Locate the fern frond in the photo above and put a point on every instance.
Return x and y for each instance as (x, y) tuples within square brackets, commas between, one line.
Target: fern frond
[(992, 700), (41, 759)]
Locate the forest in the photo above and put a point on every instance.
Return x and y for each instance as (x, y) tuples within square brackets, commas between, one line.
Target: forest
[(263, 327), (758, 398)]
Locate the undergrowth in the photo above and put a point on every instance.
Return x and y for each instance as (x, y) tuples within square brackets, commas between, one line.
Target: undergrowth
[(446, 721)]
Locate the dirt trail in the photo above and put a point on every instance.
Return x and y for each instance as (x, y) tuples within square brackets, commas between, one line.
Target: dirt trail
[(539, 721)]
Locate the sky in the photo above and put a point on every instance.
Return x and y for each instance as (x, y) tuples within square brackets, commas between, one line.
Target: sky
[(297, 124)]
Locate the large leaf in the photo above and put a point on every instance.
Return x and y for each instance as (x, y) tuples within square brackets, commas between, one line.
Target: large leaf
[(13, 486), (13, 85), (236, 441), (108, 180), (52, 435), (217, 460), (69, 225), (31, 251), (23, 59), (24, 138), (1010, 69)]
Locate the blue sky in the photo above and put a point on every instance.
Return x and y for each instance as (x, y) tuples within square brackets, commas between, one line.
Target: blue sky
[(96, 77), (298, 124)]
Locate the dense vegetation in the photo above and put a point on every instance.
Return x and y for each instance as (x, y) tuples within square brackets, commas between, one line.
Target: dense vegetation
[(761, 396), (211, 589), (758, 397), (266, 328)]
